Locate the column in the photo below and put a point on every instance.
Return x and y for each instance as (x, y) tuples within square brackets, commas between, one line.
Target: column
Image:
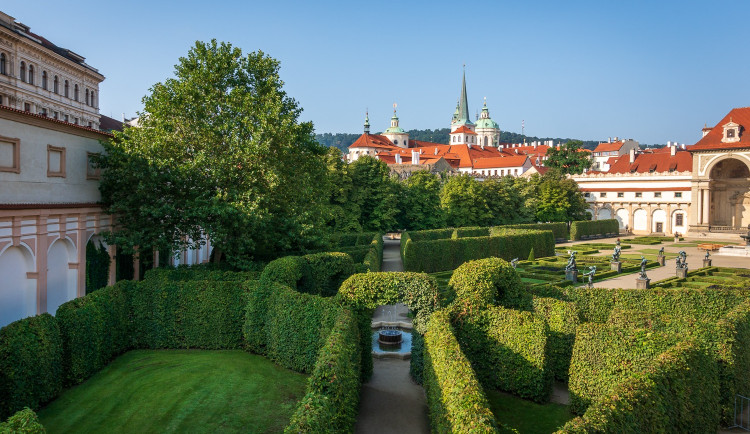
[(706, 209), (81, 241), (42, 245), (650, 220), (668, 223)]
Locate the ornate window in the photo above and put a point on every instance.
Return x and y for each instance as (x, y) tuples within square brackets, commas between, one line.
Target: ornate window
[(67, 89), (56, 85), (23, 71), (31, 74), (93, 104), (55, 162), (731, 132), (75, 92), (3, 65), (9, 155), (87, 97), (44, 80)]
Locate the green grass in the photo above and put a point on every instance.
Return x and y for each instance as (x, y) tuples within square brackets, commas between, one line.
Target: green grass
[(527, 417), (157, 391)]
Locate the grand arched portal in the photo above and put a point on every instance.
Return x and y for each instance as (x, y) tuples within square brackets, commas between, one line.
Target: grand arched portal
[(729, 183)]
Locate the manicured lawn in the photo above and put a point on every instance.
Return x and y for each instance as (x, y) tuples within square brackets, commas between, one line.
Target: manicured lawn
[(527, 417), (156, 391)]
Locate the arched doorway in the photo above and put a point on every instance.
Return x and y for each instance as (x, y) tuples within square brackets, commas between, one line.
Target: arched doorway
[(622, 218), (730, 194), (61, 280), (640, 220), (17, 291)]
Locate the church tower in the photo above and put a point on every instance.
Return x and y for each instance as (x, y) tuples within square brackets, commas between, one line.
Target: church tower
[(367, 122), (462, 129), (396, 134), (488, 131)]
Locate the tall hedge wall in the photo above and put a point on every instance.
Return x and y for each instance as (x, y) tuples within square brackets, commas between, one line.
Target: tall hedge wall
[(24, 421), (184, 272), (562, 320), (455, 399), (604, 356), (188, 314), (317, 273), (343, 239), (95, 329), (489, 281), (30, 363), (332, 399), (287, 326), (593, 227), (448, 254), (677, 393), (468, 232), (733, 354), (507, 349), (559, 230)]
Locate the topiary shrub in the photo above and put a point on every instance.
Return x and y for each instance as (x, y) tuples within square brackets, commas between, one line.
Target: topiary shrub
[(317, 273), (508, 350), (24, 421), (593, 227), (531, 255), (286, 271), (30, 363), (332, 399), (455, 399), (490, 281), (562, 320)]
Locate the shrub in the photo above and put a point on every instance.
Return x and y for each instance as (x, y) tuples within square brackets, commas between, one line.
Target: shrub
[(593, 227), (489, 281), (604, 356), (507, 349), (430, 234), (332, 399), (317, 273), (448, 254), (416, 361), (455, 398), (531, 255), (24, 421), (559, 229), (368, 291), (190, 314), (193, 272), (733, 354), (471, 232), (94, 329), (677, 393), (562, 320), (374, 258), (352, 239), (30, 363)]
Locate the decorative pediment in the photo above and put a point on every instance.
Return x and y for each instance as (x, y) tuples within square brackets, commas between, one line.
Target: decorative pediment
[(732, 131)]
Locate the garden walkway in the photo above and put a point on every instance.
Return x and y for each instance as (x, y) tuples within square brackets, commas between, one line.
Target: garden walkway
[(391, 402)]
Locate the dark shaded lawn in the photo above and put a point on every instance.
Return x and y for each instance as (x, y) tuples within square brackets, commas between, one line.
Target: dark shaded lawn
[(156, 391), (527, 417)]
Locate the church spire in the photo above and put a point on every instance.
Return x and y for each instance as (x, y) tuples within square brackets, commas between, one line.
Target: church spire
[(367, 122), (463, 104)]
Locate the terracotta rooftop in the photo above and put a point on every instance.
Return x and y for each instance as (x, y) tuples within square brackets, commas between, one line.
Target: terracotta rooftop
[(658, 162), (712, 140), (373, 141), (498, 162), (609, 147), (463, 129)]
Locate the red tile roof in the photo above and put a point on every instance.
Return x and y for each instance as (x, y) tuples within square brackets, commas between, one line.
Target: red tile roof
[(53, 120), (712, 140), (653, 162), (539, 151), (498, 162), (373, 141), (463, 129), (609, 147)]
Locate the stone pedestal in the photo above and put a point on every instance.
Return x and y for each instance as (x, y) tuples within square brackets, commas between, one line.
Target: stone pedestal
[(571, 275), (616, 266), (641, 283), (681, 273), (661, 259), (707, 262)]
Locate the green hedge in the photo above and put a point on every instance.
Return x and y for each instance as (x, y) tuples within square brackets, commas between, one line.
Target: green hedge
[(562, 320), (605, 356), (468, 232), (593, 227), (95, 329), (24, 421), (677, 393), (318, 273), (184, 272), (448, 254), (30, 363), (489, 281), (455, 398), (189, 314), (287, 326), (559, 230), (507, 349), (332, 399), (374, 258), (733, 354), (431, 234), (353, 239)]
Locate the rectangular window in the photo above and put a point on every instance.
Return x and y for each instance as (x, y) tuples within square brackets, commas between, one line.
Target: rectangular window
[(92, 170), (65, 118), (620, 194), (55, 115), (586, 194), (678, 220), (55, 162), (638, 194), (678, 194), (603, 194), (27, 107), (10, 155), (657, 194)]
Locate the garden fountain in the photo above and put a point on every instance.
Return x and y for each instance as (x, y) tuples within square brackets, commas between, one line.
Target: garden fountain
[(388, 334)]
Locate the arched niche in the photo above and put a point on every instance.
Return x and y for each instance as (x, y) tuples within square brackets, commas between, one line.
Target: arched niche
[(730, 193), (17, 291), (61, 279)]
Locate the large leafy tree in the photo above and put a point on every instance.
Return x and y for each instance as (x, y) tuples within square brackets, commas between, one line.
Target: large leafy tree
[(558, 198), (505, 201), (374, 194), (570, 158), (219, 151), (420, 202), (463, 202)]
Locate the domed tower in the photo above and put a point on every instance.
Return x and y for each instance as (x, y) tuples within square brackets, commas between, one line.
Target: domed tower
[(396, 134), (488, 131)]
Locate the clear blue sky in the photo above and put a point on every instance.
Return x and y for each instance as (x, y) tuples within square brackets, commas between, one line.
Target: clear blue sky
[(648, 70)]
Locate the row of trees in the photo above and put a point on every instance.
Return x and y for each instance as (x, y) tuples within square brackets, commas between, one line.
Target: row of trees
[(220, 152)]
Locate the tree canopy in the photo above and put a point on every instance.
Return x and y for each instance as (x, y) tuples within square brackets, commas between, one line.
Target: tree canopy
[(219, 151), (570, 158)]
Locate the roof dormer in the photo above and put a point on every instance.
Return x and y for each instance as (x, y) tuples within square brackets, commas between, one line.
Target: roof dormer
[(732, 132)]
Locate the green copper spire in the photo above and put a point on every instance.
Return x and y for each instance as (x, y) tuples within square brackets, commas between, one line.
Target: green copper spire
[(394, 124), (463, 106), (367, 122)]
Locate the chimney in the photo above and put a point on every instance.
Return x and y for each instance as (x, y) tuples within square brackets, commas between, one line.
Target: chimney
[(534, 145), (398, 158), (632, 155), (609, 139), (683, 146), (436, 150), (414, 157), (673, 149)]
